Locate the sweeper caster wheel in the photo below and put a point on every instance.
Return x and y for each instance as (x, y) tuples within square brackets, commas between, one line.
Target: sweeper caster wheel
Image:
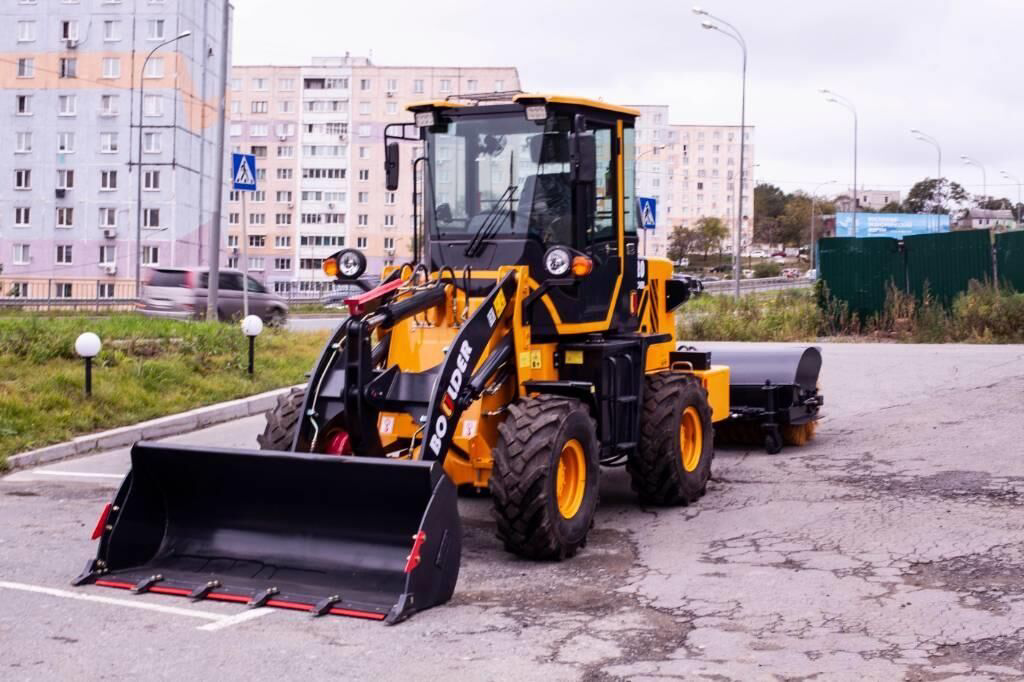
[(672, 464), (545, 477), (772, 440), (282, 421)]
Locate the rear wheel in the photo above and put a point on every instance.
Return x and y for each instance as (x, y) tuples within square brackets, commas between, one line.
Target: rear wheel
[(545, 477), (672, 463), (282, 420)]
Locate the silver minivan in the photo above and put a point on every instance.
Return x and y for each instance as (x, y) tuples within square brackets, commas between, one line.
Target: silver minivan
[(181, 293)]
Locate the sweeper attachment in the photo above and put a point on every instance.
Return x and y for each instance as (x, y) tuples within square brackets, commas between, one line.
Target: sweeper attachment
[(525, 347)]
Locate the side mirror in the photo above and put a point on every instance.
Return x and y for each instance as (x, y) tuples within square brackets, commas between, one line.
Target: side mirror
[(391, 166), (583, 157)]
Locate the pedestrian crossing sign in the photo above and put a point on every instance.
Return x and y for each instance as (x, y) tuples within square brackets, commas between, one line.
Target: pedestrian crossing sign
[(243, 172), (648, 212)]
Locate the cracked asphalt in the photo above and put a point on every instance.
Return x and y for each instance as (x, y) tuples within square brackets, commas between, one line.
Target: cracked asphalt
[(891, 547)]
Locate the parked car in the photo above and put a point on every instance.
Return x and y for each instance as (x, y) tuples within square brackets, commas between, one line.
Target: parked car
[(758, 253), (791, 273), (181, 293), (747, 274), (722, 268), (811, 274), (695, 285)]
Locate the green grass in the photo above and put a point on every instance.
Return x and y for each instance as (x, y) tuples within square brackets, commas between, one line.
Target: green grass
[(788, 315), (147, 369)]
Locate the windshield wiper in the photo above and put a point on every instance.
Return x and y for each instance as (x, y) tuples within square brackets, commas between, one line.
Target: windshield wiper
[(492, 222)]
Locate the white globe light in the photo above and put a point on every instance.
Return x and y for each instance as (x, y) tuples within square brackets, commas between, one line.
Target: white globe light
[(88, 345), (252, 325), (557, 262)]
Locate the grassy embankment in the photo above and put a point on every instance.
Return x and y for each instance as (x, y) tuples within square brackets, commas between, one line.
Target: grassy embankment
[(147, 368), (983, 314)]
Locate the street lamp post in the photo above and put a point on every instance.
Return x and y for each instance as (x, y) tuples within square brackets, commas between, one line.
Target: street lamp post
[(925, 137), (638, 157), (735, 34), (844, 102), (814, 201), (138, 165), (984, 176)]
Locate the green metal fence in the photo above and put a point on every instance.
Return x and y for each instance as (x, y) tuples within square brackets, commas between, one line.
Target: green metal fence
[(944, 264), (1010, 259), (860, 271)]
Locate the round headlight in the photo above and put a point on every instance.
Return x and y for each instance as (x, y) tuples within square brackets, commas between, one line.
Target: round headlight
[(557, 262), (351, 264)]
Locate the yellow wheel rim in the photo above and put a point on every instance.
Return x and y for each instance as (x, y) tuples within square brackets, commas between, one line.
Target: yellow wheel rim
[(571, 479), (691, 439)]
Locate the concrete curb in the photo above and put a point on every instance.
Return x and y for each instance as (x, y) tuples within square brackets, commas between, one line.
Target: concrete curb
[(155, 428)]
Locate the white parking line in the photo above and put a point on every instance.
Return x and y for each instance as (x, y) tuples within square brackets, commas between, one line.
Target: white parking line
[(134, 604), (235, 620), (217, 621), (75, 474)]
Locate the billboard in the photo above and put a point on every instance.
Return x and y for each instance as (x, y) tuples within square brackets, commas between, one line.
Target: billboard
[(896, 225)]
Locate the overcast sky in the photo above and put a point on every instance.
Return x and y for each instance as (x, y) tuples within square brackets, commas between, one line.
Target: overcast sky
[(953, 68)]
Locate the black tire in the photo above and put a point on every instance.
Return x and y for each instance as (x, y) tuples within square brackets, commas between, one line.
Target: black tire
[(277, 318), (657, 468), (524, 478), (282, 421)]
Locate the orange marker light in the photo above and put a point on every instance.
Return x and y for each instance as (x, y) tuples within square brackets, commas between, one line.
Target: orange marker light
[(331, 267), (582, 266)]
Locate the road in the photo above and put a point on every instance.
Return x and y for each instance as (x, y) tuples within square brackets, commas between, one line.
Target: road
[(892, 547)]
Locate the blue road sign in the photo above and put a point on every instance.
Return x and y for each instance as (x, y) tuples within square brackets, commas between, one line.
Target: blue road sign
[(243, 172), (648, 208)]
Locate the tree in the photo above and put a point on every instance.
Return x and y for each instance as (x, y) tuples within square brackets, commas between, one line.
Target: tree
[(794, 224), (710, 232), (681, 242), (892, 207), (934, 195), (769, 205)]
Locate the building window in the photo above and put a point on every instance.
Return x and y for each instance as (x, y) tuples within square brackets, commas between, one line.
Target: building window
[(257, 241), (362, 220), (364, 198), (151, 217), (62, 289), (389, 221), (65, 216), (259, 84), (153, 105), (69, 30), (109, 105), (108, 255), (151, 143), (499, 86), (282, 263), (151, 180), (108, 179), (22, 254), (26, 67), (23, 105), (360, 242), (65, 143), (285, 174), (23, 178), (155, 68), (23, 142), (256, 263), (259, 151), (22, 216), (108, 143), (417, 86), (284, 195), (233, 262), (285, 152), (258, 129), (446, 85), (111, 31), (257, 219), (259, 196), (156, 29), (67, 67), (259, 106), (67, 105), (389, 243), (64, 254), (105, 290), (150, 255), (286, 106), (282, 242), (234, 218), (108, 217), (26, 31), (364, 83), (286, 84)]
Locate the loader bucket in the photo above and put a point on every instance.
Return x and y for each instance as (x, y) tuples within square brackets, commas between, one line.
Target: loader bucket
[(368, 537)]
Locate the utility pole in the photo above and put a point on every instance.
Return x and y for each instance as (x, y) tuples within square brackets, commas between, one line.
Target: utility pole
[(844, 102), (213, 283)]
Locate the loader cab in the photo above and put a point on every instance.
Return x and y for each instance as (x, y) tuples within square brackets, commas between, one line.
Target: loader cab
[(545, 182)]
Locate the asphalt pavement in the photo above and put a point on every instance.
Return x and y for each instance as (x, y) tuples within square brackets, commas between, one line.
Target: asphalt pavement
[(891, 547)]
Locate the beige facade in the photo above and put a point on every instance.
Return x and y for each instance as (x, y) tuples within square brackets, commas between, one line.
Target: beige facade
[(319, 132), (693, 172)]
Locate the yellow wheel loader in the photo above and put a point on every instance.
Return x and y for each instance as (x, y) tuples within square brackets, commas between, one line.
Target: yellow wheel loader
[(527, 346)]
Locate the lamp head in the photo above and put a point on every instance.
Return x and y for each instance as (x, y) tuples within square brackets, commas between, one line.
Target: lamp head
[(88, 345), (183, 34), (700, 12), (708, 25)]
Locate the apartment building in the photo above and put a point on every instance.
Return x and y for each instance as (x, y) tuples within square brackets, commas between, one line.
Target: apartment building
[(693, 172), (318, 133), (77, 91)]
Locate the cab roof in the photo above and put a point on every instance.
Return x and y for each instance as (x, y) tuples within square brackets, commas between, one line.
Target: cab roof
[(523, 98)]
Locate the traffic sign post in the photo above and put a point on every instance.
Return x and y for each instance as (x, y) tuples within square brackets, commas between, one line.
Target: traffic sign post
[(243, 179), (647, 207)]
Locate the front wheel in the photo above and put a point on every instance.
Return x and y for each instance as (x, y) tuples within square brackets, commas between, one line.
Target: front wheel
[(672, 464), (282, 420), (545, 477)]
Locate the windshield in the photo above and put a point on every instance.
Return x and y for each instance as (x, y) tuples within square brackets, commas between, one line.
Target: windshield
[(499, 177)]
